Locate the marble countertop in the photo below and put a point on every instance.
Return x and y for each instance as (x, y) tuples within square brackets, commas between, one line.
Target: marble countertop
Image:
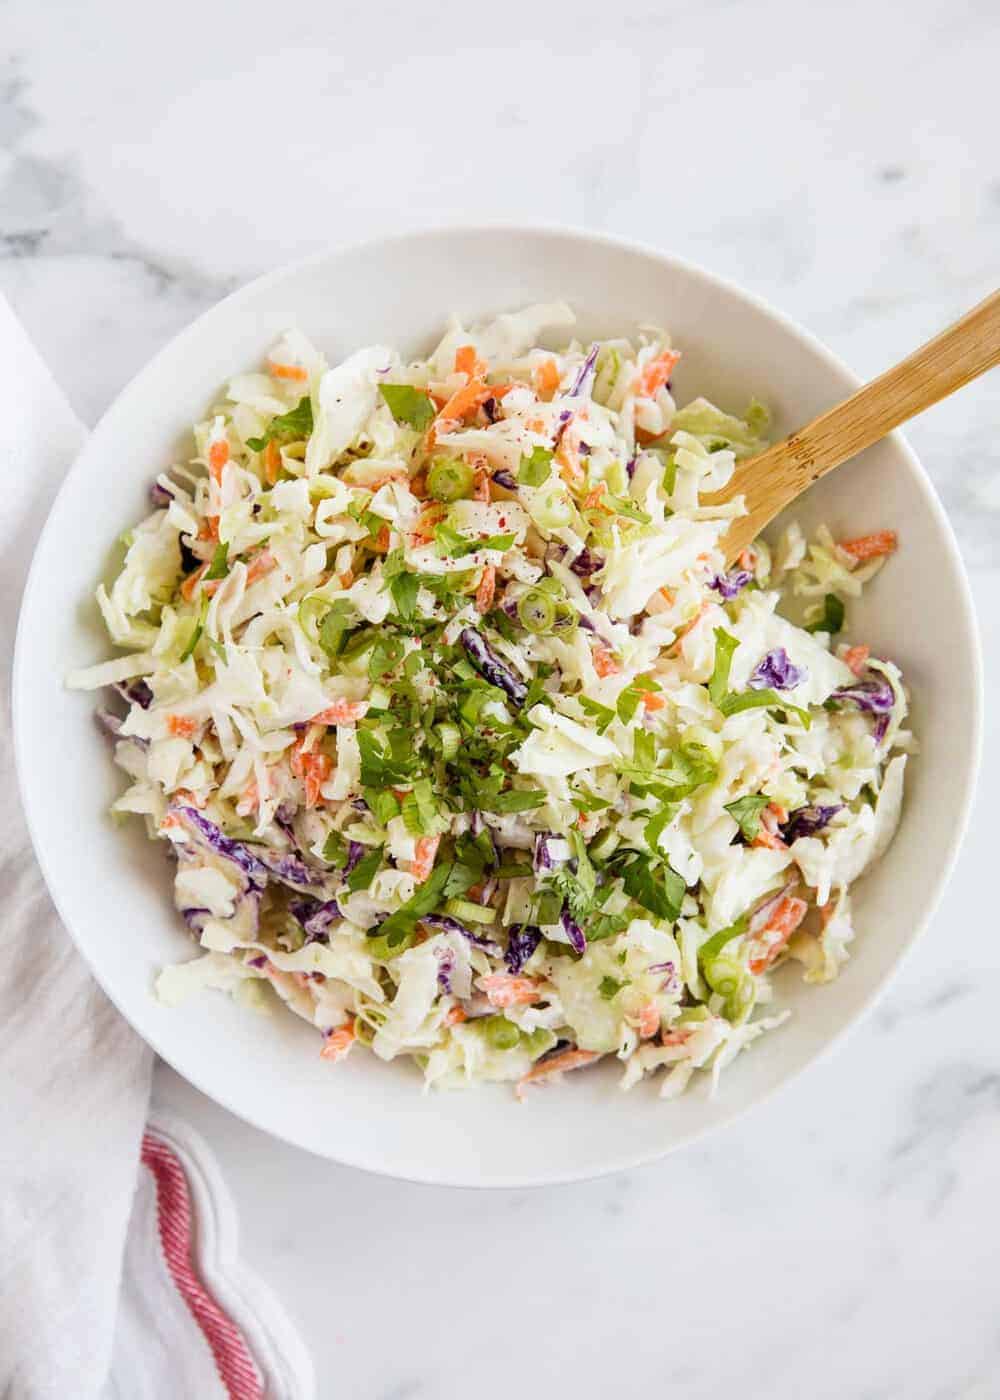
[(842, 163)]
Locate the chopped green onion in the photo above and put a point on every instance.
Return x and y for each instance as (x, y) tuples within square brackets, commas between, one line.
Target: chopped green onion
[(471, 912), (198, 626), (450, 738), (832, 618), (553, 511), (501, 1033), (724, 973), (735, 704), (604, 845), (449, 479), (219, 566), (713, 946), (718, 685), (536, 611)]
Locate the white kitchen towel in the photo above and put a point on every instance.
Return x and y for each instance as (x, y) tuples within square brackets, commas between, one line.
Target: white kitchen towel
[(74, 1095)]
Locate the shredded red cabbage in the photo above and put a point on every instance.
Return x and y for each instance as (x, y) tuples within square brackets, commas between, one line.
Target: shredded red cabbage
[(497, 672), (522, 940), (777, 672), (574, 932), (806, 821), (541, 860), (290, 870), (586, 564), (109, 722), (584, 372), (315, 917), (136, 692), (235, 851), (448, 925), (446, 966), (159, 495), (729, 585), (355, 850), (874, 696)]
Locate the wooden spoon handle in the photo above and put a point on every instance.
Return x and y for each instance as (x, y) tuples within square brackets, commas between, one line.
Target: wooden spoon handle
[(773, 479)]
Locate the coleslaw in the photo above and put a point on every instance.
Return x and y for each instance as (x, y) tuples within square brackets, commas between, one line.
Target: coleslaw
[(465, 742)]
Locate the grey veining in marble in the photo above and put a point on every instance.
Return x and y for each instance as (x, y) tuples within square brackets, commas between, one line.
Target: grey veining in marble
[(842, 162)]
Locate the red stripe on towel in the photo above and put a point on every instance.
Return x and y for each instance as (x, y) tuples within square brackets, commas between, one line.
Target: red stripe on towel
[(233, 1359)]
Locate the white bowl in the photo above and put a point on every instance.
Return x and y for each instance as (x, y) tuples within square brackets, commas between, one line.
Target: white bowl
[(113, 887)]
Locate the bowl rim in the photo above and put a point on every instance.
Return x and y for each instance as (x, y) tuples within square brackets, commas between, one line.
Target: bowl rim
[(692, 270)]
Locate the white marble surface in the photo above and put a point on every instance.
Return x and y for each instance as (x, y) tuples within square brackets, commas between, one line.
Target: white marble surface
[(840, 161)]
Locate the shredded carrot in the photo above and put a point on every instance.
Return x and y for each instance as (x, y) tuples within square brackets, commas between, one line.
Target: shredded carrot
[(556, 1064), (769, 840), (261, 564), (381, 545), (778, 815), (775, 934), (871, 546), (338, 1043), (301, 748), (689, 626), (182, 726), (454, 1016), (423, 530), (604, 663), (569, 461), (192, 581), (397, 474), (547, 378), (342, 712), (655, 375), (316, 768), (649, 1020), (462, 403), (652, 701), (249, 799), (468, 362), (218, 456), (279, 371), (346, 578), (747, 559), (486, 590), (272, 461), (668, 595), (857, 658), (503, 989), (592, 501), (423, 857), (209, 528), (675, 1037)]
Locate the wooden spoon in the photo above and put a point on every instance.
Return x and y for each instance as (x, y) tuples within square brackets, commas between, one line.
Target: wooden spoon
[(772, 480)]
